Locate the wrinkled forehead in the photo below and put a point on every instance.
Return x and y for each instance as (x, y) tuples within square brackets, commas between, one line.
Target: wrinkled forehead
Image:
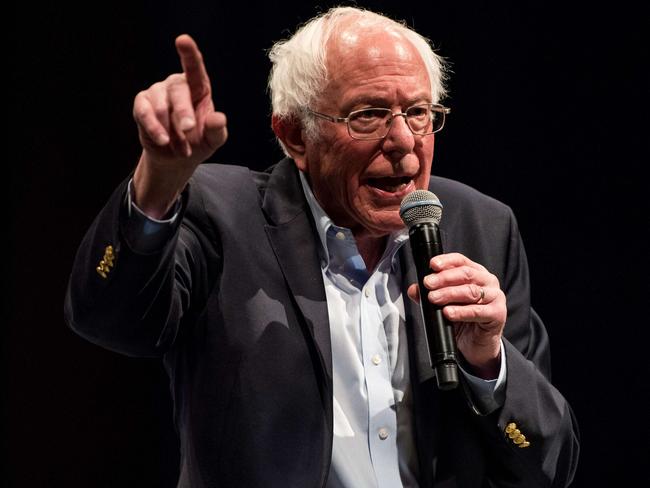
[(357, 54), (356, 38)]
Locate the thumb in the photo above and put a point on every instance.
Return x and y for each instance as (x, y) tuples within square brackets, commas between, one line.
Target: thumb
[(216, 131), (414, 293)]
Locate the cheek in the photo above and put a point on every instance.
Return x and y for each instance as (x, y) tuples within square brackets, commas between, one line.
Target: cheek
[(335, 180), (343, 168), (425, 156), (422, 181)]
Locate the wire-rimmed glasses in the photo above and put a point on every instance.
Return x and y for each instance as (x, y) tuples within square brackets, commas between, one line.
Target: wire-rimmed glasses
[(374, 122)]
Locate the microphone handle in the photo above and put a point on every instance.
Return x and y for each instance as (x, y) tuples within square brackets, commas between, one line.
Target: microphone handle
[(425, 244)]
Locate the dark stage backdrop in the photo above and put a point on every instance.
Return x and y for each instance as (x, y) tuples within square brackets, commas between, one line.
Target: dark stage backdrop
[(548, 116)]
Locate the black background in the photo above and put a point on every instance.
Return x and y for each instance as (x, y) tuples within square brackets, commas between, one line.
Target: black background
[(549, 115)]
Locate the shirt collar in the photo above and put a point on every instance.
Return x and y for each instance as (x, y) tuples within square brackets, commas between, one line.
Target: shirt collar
[(325, 226)]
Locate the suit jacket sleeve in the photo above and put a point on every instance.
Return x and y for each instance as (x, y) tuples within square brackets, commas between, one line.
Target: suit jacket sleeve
[(478, 449), (138, 305), (532, 404)]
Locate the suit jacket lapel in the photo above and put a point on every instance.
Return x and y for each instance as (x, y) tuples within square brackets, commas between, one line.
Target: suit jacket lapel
[(294, 241)]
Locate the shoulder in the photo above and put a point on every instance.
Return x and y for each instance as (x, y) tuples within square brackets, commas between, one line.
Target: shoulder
[(476, 224), (211, 176), (219, 175), (457, 193), (463, 202), (218, 193)]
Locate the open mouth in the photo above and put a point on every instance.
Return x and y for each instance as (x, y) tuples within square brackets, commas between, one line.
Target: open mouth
[(390, 184)]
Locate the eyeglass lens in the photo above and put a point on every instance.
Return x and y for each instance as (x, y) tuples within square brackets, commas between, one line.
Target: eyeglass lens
[(376, 122)]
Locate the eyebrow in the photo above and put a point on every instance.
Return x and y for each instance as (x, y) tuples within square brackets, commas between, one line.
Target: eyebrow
[(368, 101)]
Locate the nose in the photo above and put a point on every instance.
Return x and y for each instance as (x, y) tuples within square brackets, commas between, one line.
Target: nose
[(399, 139)]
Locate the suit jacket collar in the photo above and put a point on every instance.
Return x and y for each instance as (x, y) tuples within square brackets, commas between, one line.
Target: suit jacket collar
[(293, 238)]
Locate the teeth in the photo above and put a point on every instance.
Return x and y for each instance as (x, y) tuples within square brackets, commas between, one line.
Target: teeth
[(391, 185), (394, 189)]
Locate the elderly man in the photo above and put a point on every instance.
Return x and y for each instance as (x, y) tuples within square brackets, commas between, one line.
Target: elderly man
[(277, 299)]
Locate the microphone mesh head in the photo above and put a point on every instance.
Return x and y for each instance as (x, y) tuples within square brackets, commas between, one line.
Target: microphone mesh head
[(420, 206)]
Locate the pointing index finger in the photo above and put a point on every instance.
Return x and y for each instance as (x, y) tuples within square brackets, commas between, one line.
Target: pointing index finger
[(193, 67)]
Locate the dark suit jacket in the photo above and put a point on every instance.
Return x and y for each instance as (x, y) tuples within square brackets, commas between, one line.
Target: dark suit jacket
[(235, 304)]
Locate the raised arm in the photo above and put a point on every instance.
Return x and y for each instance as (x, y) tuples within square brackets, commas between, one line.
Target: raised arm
[(178, 128), (129, 288)]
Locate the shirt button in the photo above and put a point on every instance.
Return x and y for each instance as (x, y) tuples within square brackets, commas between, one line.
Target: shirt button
[(340, 235), (383, 434), (367, 292), (376, 359)]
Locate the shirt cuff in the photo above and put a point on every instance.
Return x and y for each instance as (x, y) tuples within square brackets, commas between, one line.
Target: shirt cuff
[(489, 394), (144, 234)]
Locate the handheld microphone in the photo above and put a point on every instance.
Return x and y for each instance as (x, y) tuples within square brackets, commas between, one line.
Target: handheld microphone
[(421, 211)]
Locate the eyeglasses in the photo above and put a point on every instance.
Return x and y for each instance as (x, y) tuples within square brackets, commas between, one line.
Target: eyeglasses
[(374, 123)]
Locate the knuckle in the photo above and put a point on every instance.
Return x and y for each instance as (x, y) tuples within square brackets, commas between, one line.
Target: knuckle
[(498, 309), (437, 296), (492, 279), (468, 274), (158, 87), (453, 259), (140, 112), (467, 313), (175, 78), (503, 300), (474, 291), (478, 266), (498, 318), (161, 110), (497, 283), (177, 90), (139, 97), (476, 312), (139, 103)]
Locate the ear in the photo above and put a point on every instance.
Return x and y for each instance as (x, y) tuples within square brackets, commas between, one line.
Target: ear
[(289, 131)]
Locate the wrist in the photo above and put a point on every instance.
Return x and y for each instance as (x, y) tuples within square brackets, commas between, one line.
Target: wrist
[(156, 188), (484, 364), (488, 370)]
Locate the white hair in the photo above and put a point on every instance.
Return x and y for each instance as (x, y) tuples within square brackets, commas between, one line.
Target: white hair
[(299, 71)]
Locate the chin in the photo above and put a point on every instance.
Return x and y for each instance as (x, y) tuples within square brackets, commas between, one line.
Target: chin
[(384, 223)]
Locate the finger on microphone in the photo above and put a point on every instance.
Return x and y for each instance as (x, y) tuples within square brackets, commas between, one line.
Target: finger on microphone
[(413, 293), (436, 263)]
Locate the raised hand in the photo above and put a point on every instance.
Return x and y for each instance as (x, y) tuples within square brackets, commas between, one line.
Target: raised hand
[(178, 129)]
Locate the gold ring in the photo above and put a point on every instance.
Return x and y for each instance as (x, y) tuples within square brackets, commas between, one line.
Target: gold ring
[(480, 299)]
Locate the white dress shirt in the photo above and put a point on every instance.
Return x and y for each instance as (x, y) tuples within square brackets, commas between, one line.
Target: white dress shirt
[(374, 442)]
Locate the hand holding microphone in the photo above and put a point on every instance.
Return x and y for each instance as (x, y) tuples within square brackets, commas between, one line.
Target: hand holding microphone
[(421, 212), (462, 304)]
